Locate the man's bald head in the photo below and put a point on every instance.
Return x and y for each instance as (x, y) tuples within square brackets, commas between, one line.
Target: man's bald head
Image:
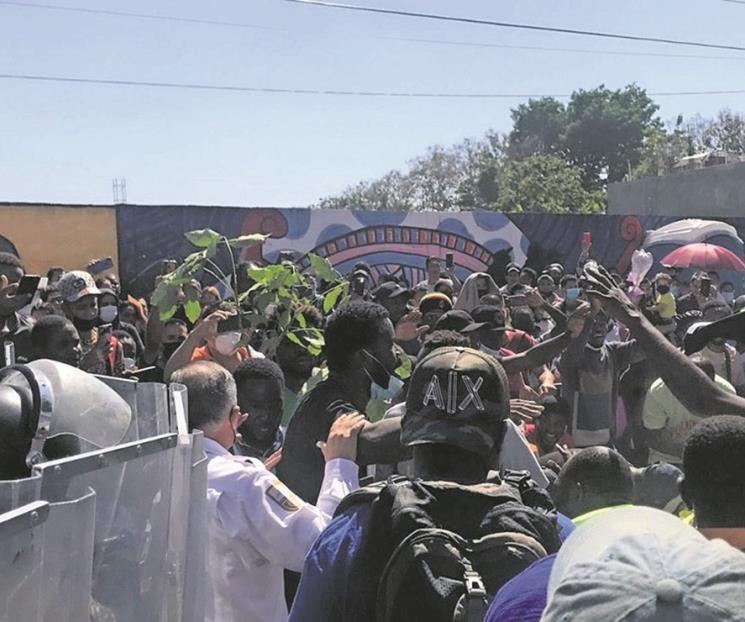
[(593, 478), (211, 392)]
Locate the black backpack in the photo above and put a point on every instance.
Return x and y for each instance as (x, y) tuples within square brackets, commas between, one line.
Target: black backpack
[(439, 552)]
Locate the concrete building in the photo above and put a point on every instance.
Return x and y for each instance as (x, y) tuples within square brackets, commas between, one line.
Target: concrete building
[(716, 191)]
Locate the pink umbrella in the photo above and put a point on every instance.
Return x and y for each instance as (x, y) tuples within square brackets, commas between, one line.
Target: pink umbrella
[(704, 257)]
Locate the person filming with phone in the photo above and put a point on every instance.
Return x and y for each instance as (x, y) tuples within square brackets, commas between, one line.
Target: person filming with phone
[(219, 337)]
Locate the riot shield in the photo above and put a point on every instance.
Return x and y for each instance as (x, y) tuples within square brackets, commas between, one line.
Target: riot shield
[(21, 548), (149, 403), (133, 484), (186, 537), (127, 390), (152, 410), (68, 560), (17, 492), (194, 583), (178, 529)]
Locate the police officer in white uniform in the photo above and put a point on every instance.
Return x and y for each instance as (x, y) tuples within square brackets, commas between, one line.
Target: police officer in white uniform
[(257, 526)]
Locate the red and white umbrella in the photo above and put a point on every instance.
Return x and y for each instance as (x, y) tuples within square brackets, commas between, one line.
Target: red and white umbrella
[(703, 257)]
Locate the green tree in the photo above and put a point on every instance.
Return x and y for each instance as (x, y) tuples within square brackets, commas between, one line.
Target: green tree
[(435, 177), (600, 131), (605, 132), (544, 184), (726, 132), (391, 193), (538, 127), (662, 150)]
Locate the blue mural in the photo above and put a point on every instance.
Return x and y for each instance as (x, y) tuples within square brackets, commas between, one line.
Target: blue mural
[(401, 242)]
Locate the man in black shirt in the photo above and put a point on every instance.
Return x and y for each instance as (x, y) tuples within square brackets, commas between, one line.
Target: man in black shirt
[(359, 352), (13, 327)]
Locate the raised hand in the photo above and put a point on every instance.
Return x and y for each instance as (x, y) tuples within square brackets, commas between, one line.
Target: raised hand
[(603, 291), (577, 320), (524, 410), (408, 327), (273, 460), (9, 299), (342, 439)]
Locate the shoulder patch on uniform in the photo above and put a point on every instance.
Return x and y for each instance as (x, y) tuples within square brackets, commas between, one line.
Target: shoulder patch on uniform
[(283, 496)]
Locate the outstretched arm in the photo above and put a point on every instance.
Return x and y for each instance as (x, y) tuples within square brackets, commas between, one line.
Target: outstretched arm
[(380, 443), (535, 356), (689, 384), (730, 327)]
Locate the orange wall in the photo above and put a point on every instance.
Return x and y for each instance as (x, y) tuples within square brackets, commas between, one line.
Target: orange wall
[(47, 235)]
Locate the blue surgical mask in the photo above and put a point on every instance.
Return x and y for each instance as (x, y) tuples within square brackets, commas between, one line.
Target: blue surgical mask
[(573, 293), (386, 394)]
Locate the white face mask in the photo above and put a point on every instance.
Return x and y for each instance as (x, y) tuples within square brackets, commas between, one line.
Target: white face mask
[(226, 343), (129, 364), (108, 313), (728, 297)]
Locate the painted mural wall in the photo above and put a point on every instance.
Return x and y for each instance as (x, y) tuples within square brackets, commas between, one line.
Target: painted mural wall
[(57, 235), (400, 242), (139, 237)]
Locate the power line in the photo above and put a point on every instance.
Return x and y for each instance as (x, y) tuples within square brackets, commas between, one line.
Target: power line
[(327, 92), (478, 44), (167, 18), (533, 27), (256, 89), (229, 24)]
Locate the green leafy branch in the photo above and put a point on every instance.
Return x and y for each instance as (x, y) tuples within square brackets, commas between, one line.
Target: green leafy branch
[(178, 285), (280, 292)]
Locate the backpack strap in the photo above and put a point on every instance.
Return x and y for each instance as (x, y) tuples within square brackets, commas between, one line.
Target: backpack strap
[(474, 604), (368, 494)]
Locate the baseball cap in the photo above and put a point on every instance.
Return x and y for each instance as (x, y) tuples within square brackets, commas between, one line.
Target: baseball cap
[(486, 316), (544, 277), (695, 326), (76, 284), (529, 271), (457, 396), (456, 320), (435, 302), (663, 276), (391, 289), (635, 563)]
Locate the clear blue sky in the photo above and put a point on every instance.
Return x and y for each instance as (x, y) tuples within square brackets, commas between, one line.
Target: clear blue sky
[(65, 142)]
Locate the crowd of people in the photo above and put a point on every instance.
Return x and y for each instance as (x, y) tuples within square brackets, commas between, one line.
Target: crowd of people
[(529, 444)]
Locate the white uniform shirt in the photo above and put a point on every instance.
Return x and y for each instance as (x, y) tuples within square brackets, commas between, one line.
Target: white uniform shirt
[(257, 527)]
